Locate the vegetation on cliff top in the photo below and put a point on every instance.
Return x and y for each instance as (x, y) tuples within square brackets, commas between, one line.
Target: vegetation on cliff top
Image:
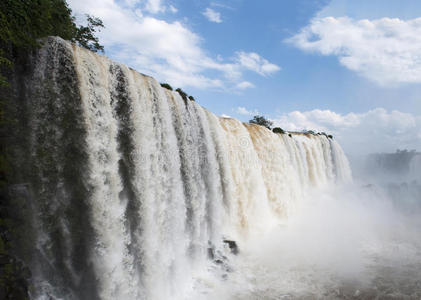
[(262, 121), (278, 130), (179, 91), (166, 86), (23, 22)]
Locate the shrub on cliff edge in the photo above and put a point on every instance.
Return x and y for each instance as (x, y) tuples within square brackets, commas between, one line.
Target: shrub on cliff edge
[(166, 86), (278, 130), (262, 121)]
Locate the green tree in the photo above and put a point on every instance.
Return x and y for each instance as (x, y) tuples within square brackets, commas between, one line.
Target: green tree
[(4, 64), (182, 94), (85, 35), (262, 121), (278, 130), (23, 22), (166, 86)]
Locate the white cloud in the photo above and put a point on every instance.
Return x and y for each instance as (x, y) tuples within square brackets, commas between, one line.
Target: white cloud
[(221, 5), (150, 6), (155, 6), (374, 131), (169, 51), (212, 16), (131, 3), (253, 61), (387, 51), (245, 85), (225, 116), (243, 111)]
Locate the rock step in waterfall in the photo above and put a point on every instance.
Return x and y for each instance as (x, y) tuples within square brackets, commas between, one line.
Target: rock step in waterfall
[(131, 186)]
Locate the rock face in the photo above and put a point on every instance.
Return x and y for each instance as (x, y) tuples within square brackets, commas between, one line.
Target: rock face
[(232, 246), (127, 184), (14, 278)]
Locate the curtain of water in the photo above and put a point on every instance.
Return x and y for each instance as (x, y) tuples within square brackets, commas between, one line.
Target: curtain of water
[(133, 185)]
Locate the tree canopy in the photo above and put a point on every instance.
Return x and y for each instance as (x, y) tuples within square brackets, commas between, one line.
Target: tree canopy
[(261, 120), (278, 130), (167, 86), (23, 22)]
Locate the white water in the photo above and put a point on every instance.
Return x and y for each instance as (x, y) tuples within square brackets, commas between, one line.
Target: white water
[(167, 180), (414, 168)]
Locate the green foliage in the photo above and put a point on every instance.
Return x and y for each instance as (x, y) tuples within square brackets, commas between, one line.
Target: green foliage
[(262, 121), (166, 86), (85, 35), (23, 22), (182, 94), (278, 130), (4, 65)]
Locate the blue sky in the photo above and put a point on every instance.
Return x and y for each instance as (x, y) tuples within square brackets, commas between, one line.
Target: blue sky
[(334, 65)]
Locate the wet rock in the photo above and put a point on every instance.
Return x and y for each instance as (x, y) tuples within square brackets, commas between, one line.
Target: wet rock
[(14, 277), (233, 246), (211, 253)]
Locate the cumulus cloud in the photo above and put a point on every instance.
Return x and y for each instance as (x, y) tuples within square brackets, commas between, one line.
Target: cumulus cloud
[(376, 130), (169, 51), (253, 61), (243, 111), (212, 16), (386, 51)]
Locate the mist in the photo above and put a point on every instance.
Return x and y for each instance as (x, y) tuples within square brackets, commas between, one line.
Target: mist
[(346, 241)]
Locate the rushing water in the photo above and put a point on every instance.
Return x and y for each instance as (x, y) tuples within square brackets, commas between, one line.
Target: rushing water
[(134, 190)]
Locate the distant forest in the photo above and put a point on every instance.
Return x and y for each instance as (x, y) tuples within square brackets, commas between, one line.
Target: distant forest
[(397, 162)]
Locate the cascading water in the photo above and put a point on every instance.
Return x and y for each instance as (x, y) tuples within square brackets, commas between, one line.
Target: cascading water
[(132, 187), (414, 168)]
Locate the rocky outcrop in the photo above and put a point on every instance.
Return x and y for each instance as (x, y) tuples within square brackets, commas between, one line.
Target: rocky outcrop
[(14, 278)]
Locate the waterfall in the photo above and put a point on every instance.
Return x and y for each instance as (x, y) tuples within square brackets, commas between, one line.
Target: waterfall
[(414, 168), (133, 187)]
